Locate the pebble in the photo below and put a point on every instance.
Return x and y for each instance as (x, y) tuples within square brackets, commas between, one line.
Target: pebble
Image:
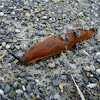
[(98, 71), (92, 68), (57, 96), (27, 14), (63, 77), (7, 46), (55, 83), (1, 92), (87, 68), (4, 97), (97, 57), (19, 91), (44, 17), (23, 87), (92, 85), (3, 44), (7, 88), (63, 37), (17, 30), (37, 66), (51, 65), (1, 14), (15, 85)]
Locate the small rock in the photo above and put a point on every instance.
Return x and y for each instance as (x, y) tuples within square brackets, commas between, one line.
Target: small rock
[(92, 85), (7, 46), (84, 52), (37, 66), (19, 91), (97, 57), (17, 30), (87, 68), (36, 92), (4, 97), (0, 47), (23, 87), (73, 66), (98, 71), (51, 65), (1, 92), (57, 96), (80, 14), (63, 77), (15, 85), (7, 88), (13, 13), (55, 83), (3, 44), (27, 14), (92, 68), (44, 17), (1, 14)]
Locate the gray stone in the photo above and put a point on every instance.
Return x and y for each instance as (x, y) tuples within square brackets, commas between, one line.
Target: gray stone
[(15, 85), (7, 88), (57, 96), (4, 97), (37, 66), (63, 37), (51, 65), (1, 14), (55, 83), (19, 91), (97, 57), (63, 77), (77, 33)]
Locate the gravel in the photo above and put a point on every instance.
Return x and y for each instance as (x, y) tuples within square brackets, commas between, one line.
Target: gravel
[(22, 25)]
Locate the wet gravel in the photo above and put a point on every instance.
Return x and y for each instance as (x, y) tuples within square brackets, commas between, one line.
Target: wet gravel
[(26, 22)]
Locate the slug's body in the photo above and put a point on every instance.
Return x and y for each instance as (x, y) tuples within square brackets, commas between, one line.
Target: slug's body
[(55, 45)]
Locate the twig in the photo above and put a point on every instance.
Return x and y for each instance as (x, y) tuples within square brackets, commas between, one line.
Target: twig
[(67, 91), (79, 91)]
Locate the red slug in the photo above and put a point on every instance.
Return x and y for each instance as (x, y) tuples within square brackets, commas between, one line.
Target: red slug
[(55, 45)]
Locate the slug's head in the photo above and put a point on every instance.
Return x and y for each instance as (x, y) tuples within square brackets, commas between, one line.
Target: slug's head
[(22, 59)]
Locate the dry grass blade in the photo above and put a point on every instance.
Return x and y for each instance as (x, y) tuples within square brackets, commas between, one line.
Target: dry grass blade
[(15, 78), (3, 54), (78, 89)]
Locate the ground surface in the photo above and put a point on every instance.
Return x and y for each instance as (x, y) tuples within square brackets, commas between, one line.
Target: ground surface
[(26, 22)]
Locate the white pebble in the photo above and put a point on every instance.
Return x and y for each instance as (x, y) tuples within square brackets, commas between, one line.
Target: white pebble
[(13, 13), (7, 46), (52, 65), (87, 68), (45, 17), (1, 92), (23, 87), (17, 30), (1, 14), (19, 91), (92, 85), (98, 71), (3, 44), (0, 47)]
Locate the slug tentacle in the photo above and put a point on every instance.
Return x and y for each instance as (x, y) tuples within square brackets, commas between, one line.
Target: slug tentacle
[(55, 45)]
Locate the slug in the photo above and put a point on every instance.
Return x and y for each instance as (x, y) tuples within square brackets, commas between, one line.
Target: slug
[(55, 45)]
